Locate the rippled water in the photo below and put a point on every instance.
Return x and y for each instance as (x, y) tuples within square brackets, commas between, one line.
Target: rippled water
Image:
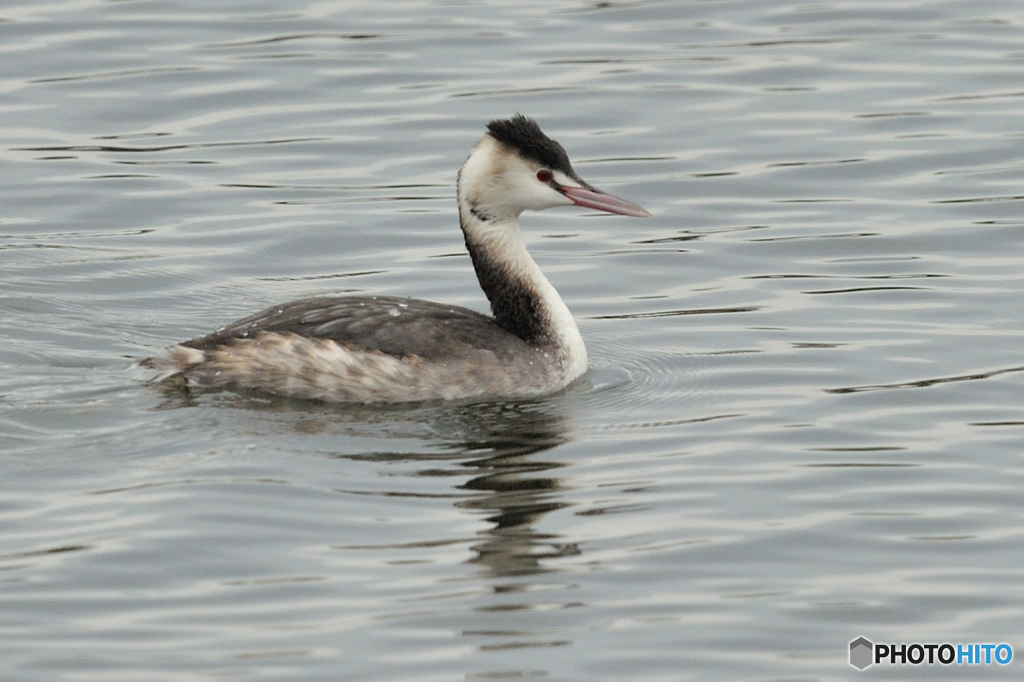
[(803, 422)]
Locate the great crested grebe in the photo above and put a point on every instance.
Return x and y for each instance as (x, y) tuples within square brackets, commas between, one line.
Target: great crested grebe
[(388, 349)]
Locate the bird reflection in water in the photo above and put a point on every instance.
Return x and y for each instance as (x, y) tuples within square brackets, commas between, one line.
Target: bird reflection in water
[(497, 444), (519, 488)]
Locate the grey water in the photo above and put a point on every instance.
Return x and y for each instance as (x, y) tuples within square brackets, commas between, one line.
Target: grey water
[(804, 419)]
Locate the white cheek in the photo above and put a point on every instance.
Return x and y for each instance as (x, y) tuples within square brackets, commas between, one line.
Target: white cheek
[(541, 196), (517, 188), (534, 194)]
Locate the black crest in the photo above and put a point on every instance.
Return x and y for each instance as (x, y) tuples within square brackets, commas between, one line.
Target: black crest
[(525, 136)]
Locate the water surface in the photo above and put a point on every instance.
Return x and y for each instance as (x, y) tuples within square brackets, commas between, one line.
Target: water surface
[(803, 422)]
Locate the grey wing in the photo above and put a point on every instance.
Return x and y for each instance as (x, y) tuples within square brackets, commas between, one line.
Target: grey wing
[(396, 326)]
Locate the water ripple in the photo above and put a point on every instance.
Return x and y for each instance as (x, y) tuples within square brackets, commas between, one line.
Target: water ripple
[(927, 383)]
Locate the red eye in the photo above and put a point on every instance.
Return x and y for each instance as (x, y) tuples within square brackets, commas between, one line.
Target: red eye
[(544, 175)]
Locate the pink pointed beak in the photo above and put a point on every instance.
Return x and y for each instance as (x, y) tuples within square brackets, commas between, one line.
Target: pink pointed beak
[(592, 198)]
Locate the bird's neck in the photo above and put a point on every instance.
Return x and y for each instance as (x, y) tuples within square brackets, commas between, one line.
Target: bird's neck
[(523, 301)]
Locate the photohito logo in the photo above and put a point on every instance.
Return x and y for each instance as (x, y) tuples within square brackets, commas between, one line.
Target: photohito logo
[(863, 652)]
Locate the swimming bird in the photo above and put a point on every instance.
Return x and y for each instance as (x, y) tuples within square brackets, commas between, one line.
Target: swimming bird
[(389, 349)]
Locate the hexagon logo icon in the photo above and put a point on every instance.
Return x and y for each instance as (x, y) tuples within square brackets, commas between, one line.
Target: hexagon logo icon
[(861, 653)]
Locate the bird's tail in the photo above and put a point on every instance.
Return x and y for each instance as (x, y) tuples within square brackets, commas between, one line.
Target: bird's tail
[(171, 360)]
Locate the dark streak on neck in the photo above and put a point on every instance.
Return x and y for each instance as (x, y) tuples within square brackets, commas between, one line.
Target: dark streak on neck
[(514, 304), (480, 214)]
